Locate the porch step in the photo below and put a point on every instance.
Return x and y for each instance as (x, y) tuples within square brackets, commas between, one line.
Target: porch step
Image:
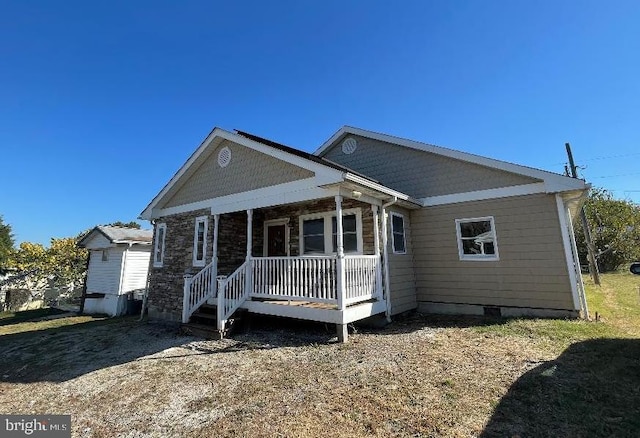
[(208, 308), (200, 330)]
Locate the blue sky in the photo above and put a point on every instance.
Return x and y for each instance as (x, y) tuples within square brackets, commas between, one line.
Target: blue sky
[(101, 102)]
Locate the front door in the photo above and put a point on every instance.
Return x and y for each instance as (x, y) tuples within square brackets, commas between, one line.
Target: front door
[(277, 240)]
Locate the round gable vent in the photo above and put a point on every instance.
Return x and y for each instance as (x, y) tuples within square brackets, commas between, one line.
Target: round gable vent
[(224, 157), (349, 146)]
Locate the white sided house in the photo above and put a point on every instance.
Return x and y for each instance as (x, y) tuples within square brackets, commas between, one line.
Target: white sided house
[(118, 267), (369, 224)]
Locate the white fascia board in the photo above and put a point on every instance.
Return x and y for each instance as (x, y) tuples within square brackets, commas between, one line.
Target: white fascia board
[(479, 195), (562, 182), (262, 197), (319, 169), (133, 242)]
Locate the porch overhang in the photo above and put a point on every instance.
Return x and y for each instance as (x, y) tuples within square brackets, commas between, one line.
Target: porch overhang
[(309, 189)]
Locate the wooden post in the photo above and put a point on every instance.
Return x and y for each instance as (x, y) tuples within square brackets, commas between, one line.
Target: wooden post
[(341, 280), (84, 286), (591, 251), (342, 332)]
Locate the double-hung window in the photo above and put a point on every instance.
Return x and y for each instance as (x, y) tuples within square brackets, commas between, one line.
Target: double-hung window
[(319, 233), (477, 239), (397, 234), (158, 249), (200, 241)]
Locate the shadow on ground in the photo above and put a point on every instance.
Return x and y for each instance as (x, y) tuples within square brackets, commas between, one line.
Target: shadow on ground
[(63, 353), (591, 390)]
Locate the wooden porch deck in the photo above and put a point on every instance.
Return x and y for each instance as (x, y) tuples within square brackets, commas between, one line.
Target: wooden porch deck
[(314, 311)]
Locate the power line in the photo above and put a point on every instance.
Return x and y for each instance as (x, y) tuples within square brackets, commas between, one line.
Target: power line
[(606, 157), (615, 176)]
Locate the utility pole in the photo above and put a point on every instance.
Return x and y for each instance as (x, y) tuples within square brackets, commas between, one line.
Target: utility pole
[(591, 250)]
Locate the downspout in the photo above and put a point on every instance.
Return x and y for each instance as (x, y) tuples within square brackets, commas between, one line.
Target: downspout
[(385, 255)]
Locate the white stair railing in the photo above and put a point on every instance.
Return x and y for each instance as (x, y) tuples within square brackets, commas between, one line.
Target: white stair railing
[(232, 292), (197, 290)]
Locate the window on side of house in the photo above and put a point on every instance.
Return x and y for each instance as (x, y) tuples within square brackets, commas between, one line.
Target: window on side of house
[(105, 255), (318, 232), (477, 238), (200, 241), (158, 250), (397, 234)]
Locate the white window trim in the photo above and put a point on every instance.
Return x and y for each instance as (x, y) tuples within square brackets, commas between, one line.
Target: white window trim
[(478, 257), (328, 232), (200, 220), (156, 263), (287, 231), (404, 233)]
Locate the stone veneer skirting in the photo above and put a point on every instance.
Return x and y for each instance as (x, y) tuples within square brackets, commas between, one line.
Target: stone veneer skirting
[(166, 283)]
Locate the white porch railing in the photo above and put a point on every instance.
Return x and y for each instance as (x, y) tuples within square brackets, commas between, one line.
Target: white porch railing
[(197, 290), (362, 279), (315, 279), (232, 292), (310, 279)]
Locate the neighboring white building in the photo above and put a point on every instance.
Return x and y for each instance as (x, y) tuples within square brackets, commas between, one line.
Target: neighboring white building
[(118, 267)]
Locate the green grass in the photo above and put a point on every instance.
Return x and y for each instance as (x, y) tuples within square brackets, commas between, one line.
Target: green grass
[(11, 317), (616, 303)]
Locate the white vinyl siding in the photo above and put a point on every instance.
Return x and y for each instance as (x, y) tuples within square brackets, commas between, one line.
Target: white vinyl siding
[(158, 248), (104, 277), (136, 268), (200, 241)]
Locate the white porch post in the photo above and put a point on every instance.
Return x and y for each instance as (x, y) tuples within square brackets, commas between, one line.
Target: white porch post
[(376, 250), (341, 280), (214, 256), (385, 256), (248, 285), (186, 294), (341, 328)]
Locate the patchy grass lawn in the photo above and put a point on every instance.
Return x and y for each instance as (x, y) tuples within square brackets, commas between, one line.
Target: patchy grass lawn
[(11, 317), (421, 376)]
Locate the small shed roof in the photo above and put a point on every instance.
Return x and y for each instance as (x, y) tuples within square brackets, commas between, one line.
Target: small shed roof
[(119, 235)]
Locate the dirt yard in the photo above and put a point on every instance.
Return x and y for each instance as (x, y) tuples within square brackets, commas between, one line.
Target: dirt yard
[(423, 376)]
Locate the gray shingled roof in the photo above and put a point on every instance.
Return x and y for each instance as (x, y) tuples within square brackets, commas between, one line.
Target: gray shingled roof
[(116, 234), (121, 235)]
